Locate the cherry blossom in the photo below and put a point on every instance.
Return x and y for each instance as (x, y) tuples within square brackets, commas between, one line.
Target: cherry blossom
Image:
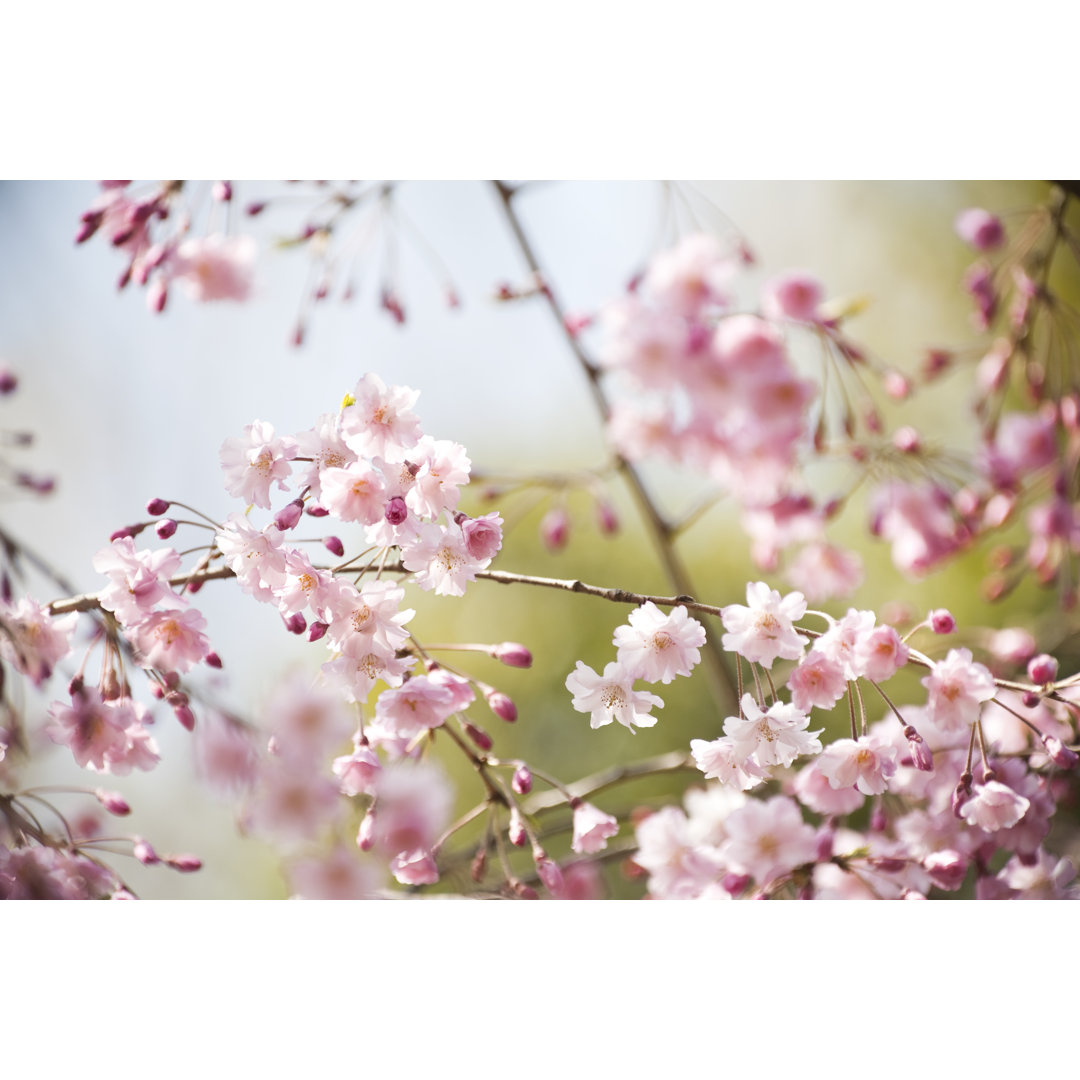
[(956, 687), (611, 696), (255, 460), (764, 630), (592, 829), (657, 647), (866, 763)]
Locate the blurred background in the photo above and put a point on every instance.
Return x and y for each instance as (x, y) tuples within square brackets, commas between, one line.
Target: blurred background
[(125, 405)]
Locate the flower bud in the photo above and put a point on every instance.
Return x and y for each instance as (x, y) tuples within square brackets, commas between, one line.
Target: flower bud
[(551, 876), (365, 838), (516, 830), (478, 735), (478, 866), (606, 517), (961, 794), (213, 660), (512, 654), (128, 531), (502, 706), (1042, 669), (521, 781), (896, 385), (941, 621), (315, 510), (879, 820), (733, 883), (979, 229), (906, 440), (186, 717), (295, 624), (1060, 754), (113, 801), (288, 516), (921, 757), (1029, 700), (317, 630), (947, 869), (887, 864), (144, 852), (221, 191), (555, 529), (254, 209), (396, 511), (165, 528), (186, 864), (334, 546)]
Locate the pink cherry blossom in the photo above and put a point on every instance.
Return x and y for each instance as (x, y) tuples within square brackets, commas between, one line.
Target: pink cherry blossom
[(821, 571), (763, 631), (307, 722), (694, 273), (326, 447), (138, 580), (866, 763), (255, 556), (723, 759), (354, 493), (979, 228), (611, 696), (841, 642), (33, 640), (880, 653), (289, 802), (816, 792), (444, 468), (226, 756), (366, 619), (657, 647), (254, 461), (171, 640), (592, 829), (793, 295), (994, 806), (413, 805), (440, 560), (415, 867), (338, 875), (918, 521), (817, 682), (417, 706), (483, 536), (956, 688), (379, 420), (358, 771), (678, 864), (774, 737), (356, 675), (215, 267), (768, 839)]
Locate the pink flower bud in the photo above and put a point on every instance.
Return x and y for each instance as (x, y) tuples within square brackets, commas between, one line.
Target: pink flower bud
[(879, 820), (906, 439), (606, 518), (521, 781), (158, 295), (887, 864), (365, 838), (525, 892), (165, 528), (157, 507), (979, 229), (295, 624), (186, 864), (128, 531), (921, 757), (8, 381), (551, 876), (288, 516), (254, 209), (478, 735), (317, 630), (334, 546), (896, 385), (315, 510), (502, 706), (733, 883), (512, 654), (213, 660), (186, 717), (1042, 669), (483, 536), (516, 830), (144, 852), (1029, 699), (1060, 754), (947, 869), (396, 511), (555, 529), (113, 801), (942, 622), (222, 191), (961, 794)]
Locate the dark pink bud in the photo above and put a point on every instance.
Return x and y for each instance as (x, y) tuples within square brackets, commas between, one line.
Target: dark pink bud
[(734, 884), (947, 869), (478, 735), (158, 295), (288, 516), (961, 794), (1029, 699), (942, 622), (213, 660), (172, 681), (606, 518), (979, 229), (317, 630), (186, 864), (334, 546), (113, 801), (502, 706), (879, 820), (222, 191), (921, 757), (90, 225), (887, 864), (195, 586), (314, 509), (8, 381), (906, 440), (254, 209), (512, 654), (1042, 669), (295, 624), (824, 845), (1060, 754), (157, 507), (396, 511), (555, 529), (186, 717), (128, 531), (165, 528), (521, 781), (145, 853)]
